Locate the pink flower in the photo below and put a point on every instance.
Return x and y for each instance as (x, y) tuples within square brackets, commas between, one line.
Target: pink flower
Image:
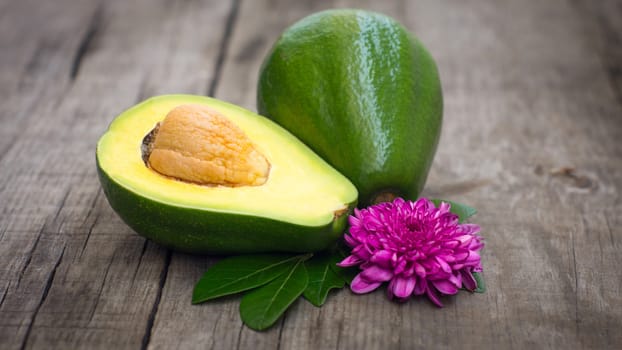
[(414, 246)]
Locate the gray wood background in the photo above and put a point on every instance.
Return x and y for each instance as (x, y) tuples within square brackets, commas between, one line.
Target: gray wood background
[(532, 138)]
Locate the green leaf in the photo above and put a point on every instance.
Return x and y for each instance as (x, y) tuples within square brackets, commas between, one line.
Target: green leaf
[(481, 285), (322, 277), (240, 273), (347, 274), (262, 307), (462, 210)]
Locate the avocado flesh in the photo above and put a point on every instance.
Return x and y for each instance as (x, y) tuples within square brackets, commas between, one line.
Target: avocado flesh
[(302, 206), (363, 93)]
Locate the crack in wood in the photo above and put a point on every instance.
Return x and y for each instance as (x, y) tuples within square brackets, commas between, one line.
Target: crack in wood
[(576, 279), (46, 290), (92, 225), (213, 337), (237, 347), (88, 236), (339, 333), (281, 326), (224, 46), (87, 43), (92, 207), (28, 259), (611, 237), (61, 205), (101, 289), (156, 303), (140, 260), (6, 291)]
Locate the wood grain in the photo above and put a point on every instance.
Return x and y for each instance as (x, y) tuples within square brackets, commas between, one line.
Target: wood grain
[(75, 276), (531, 138)]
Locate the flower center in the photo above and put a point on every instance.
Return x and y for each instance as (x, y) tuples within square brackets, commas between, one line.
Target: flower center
[(415, 226)]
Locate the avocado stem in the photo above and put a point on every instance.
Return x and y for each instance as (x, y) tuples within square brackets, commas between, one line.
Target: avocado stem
[(385, 196)]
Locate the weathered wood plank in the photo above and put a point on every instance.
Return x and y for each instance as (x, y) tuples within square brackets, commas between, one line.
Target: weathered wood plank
[(605, 29), (32, 61), (76, 276)]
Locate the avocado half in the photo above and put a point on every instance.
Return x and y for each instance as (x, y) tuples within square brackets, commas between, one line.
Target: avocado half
[(361, 91), (302, 206)]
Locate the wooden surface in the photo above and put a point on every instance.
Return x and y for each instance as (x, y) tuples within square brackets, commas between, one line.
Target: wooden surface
[(531, 88)]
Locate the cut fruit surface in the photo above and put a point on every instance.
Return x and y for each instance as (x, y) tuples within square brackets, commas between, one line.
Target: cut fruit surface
[(263, 189)]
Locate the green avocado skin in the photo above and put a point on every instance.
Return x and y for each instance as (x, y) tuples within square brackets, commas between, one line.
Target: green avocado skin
[(363, 93), (203, 232)]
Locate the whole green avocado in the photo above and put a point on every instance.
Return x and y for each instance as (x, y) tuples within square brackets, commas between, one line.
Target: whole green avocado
[(363, 93)]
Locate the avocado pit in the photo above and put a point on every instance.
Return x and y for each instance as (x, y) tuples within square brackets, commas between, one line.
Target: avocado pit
[(199, 145)]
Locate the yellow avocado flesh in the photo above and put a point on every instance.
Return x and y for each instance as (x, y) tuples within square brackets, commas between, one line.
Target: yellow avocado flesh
[(301, 187)]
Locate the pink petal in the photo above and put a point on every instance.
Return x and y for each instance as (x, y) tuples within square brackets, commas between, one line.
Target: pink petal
[(476, 245), (423, 204), (445, 287), (371, 223), (350, 241), (361, 252), (469, 229), (372, 242), (433, 250), (402, 287), (448, 258), (465, 240), (407, 272), (456, 279), (451, 244), (420, 286), (457, 266), (382, 258), (432, 267), (360, 286), (468, 280), (358, 233), (448, 219), (438, 275), (473, 257), (420, 270), (401, 265), (351, 260), (433, 296), (399, 201), (461, 255), (375, 273), (443, 264)]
